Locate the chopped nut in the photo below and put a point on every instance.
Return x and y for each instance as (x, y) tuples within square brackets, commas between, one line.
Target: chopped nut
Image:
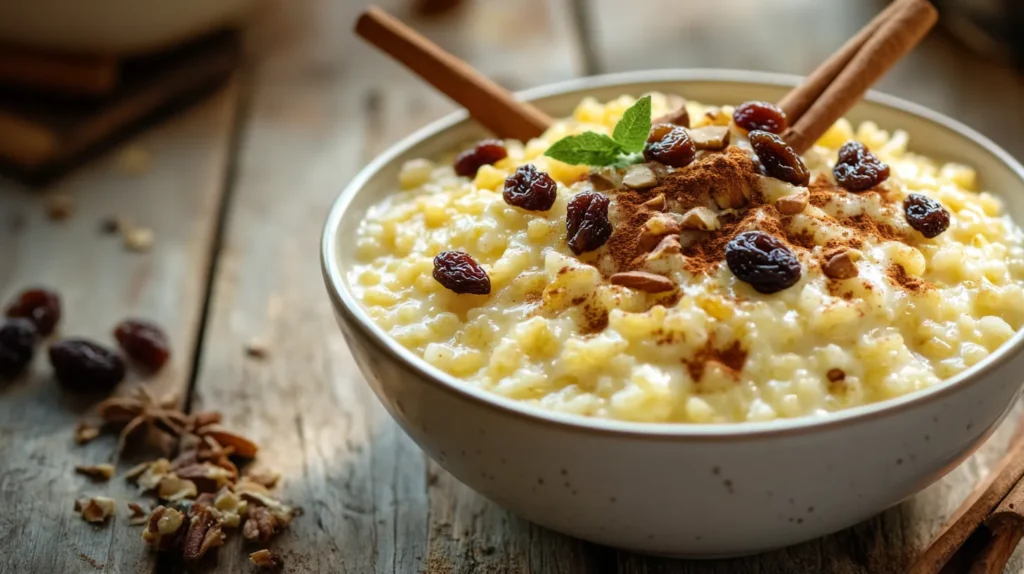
[(173, 488), (257, 349), (242, 446), (677, 117), (605, 178), (669, 246), (138, 239), (261, 525), (658, 226), (151, 474), (204, 533), (265, 477), (700, 219), (96, 471), (731, 194), (642, 281), (139, 515), (231, 507), (165, 528), (266, 560), (95, 509), (712, 138), (657, 203), (206, 476), (59, 206), (794, 203), (640, 176), (85, 432), (840, 266), (835, 375)]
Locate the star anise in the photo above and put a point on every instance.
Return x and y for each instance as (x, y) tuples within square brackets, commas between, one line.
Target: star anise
[(143, 411)]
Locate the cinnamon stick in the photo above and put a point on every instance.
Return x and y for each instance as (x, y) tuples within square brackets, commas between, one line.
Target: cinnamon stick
[(800, 98), (1003, 479), (895, 37), (488, 103), (1006, 524)]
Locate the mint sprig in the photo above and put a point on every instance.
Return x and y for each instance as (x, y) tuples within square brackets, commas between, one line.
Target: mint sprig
[(591, 148)]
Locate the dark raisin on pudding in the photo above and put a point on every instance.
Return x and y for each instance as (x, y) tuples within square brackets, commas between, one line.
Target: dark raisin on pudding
[(84, 366), (587, 223), (760, 116), (762, 261), (857, 169), (670, 145), (459, 272), (144, 342), (486, 152), (18, 338), (530, 189), (925, 215), (39, 305), (778, 159)]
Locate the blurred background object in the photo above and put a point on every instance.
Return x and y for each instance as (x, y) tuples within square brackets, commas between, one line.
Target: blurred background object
[(990, 27)]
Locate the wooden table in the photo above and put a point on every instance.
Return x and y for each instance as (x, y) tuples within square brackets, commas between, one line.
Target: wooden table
[(236, 192)]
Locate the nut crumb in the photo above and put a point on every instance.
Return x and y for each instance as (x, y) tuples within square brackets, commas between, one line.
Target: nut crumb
[(59, 206), (165, 528), (265, 477), (85, 432), (139, 515), (266, 560), (102, 472), (96, 509), (138, 239), (257, 349)]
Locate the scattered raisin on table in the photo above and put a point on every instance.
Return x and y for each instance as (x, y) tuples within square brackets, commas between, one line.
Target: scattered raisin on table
[(144, 342), (761, 116), (39, 305), (670, 145), (486, 152), (82, 365), (762, 261), (461, 273), (587, 223), (925, 215), (857, 169), (530, 189), (18, 339), (778, 159)]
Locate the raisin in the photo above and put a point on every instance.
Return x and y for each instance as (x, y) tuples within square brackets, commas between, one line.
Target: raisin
[(586, 221), (778, 159), (461, 273), (486, 152), (762, 261), (925, 215), (761, 116), (39, 305), (82, 365), (530, 189), (857, 169), (18, 339), (670, 145), (144, 342)]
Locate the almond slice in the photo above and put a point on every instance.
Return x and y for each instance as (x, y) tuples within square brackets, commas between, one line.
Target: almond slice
[(640, 176), (643, 281)]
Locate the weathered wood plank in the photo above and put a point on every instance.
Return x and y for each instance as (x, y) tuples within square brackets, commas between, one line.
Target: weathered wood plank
[(323, 105), (178, 197)]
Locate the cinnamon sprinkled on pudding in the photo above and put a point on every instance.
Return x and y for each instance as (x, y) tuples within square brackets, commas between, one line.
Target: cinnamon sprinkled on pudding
[(680, 274)]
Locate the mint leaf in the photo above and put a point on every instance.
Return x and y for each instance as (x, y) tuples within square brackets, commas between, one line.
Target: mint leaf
[(635, 126), (587, 148)]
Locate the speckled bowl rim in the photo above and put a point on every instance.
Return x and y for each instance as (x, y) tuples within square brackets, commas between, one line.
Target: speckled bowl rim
[(345, 302)]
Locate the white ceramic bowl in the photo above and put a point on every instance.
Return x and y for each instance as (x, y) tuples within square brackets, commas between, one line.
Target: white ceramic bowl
[(680, 489)]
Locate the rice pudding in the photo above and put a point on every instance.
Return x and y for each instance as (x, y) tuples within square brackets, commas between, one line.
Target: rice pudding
[(714, 279)]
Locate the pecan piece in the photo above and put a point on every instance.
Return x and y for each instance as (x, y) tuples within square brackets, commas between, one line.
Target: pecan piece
[(85, 432), (266, 560), (172, 488), (165, 529), (206, 476), (204, 533), (658, 226), (700, 219), (242, 446), (96, 509), (261, 525), (643, 281), (794, 203), (265, 477), (139, 515), (102, 472)]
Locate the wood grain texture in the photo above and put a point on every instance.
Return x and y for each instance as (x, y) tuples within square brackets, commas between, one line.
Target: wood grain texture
[(323, 105), (101, 283)]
